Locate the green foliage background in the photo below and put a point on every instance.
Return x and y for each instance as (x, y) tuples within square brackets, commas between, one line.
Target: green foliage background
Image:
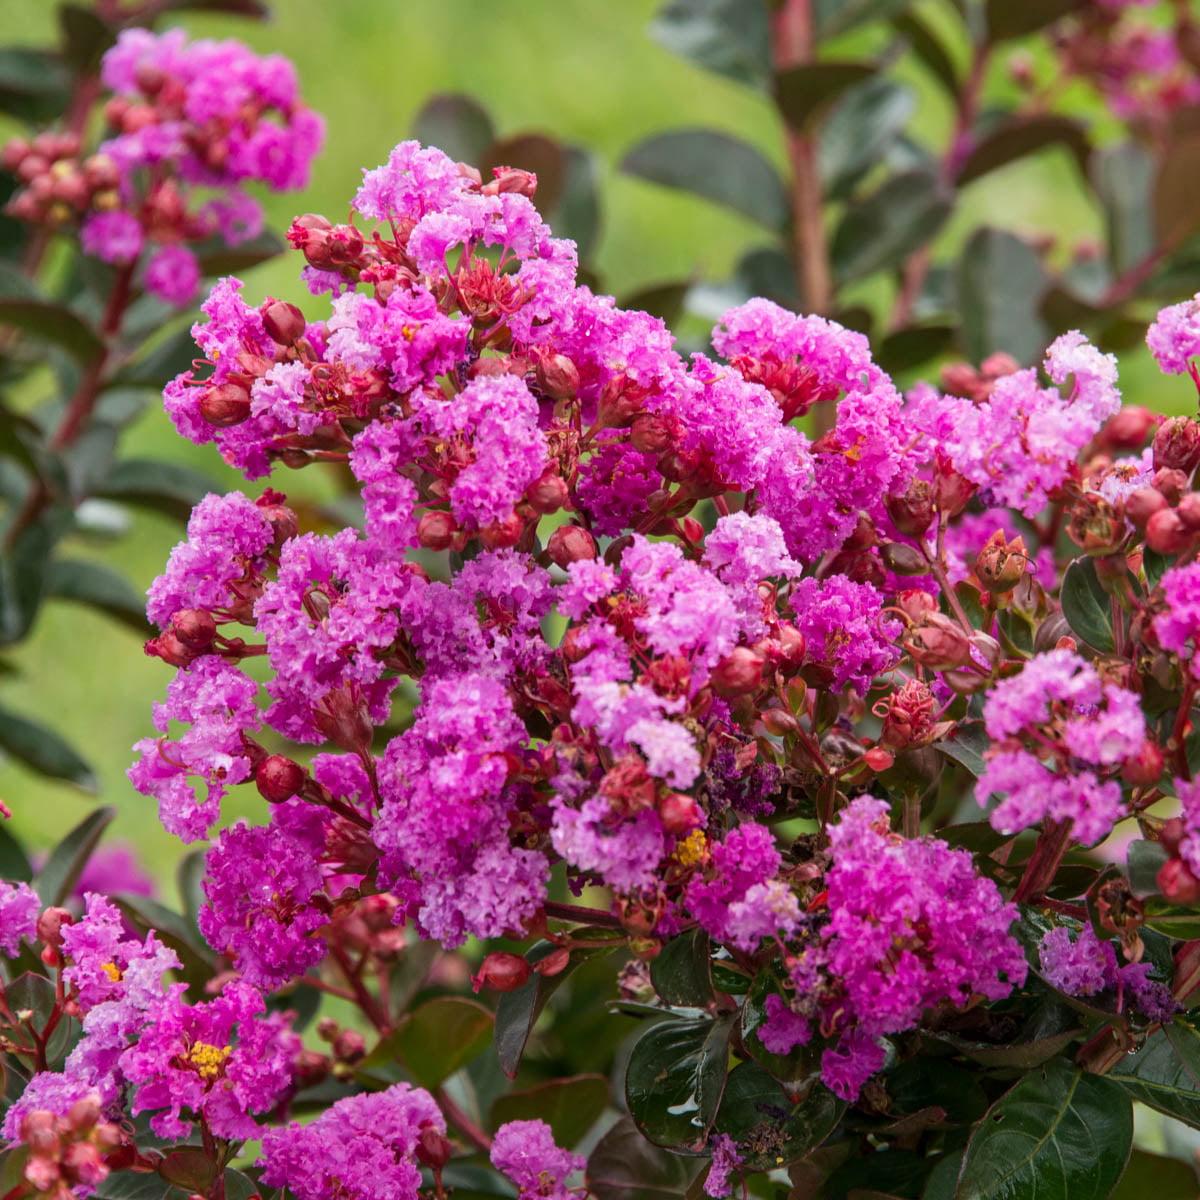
[(582, 71)]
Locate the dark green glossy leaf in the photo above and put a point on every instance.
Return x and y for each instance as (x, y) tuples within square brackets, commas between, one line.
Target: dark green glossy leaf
[(14, 863), (175, 930), (1001, 280), (188, 1167), (162, 487), (458, 125), (98, 586), (977, 836), (833, 17), (1156, 565), (802, 93), (171, 356), (1145, 859), (34, 84), (440, 1036), (681, 973), (85, 37), (54, 323), (859, 129), (795, 1070), (239, 1186), (665, 301), (730, 37), (1123, 177), (569, 1106), (772, 1131), (914, 347), (1165, 1072), (879, 1177), (922, 1083), (1158, 1176), (624, 1166), (1019, 136), (576, 213), (222, 259), (23, 568), (883, 228), (1015, 18), (1087, 606), (61, 872), (1059, 1132), (535, 152), (967, 746), (927, 46), (675, 1079), (44, 751), (1176, 212), (130, 1185), (1022, 1055), (714, 165)]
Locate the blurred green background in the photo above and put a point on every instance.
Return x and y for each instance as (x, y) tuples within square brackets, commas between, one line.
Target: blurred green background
[(582, 71)]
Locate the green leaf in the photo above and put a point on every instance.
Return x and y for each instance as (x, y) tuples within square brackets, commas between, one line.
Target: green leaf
[(1019, 136), (1000, 284), (1156, 565), (795, 1070), (665, 301), (859, 129), (535, 152), (913, 347), (730, 37), (85, 37), (1087, 606), (188, 1167), (1022, 1055), (569, 1106), (61, 872), (440, 1036), (14, 863), (1058, 1133), (977, 836), (1015, 18), (1176, 213), (923, 1083), (1123, 176), (159, 486), (458, 125), (898, 1173), (675, 1079), (34, 84), (576, 213), (1158, 1176), (801, 93), (23, 568), (967, 746), (882, 229), (714, 165), (1165, 1072), (681, 973), (219, 258), (624, 1166), (1145, 859), (929, 49), (171, 356), (771, 1130), (44, 751), (53, 323), (98, 586), (834, 17)]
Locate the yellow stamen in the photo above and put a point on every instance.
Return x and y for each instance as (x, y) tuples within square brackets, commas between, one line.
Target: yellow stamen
[(208, 1060), (112, 971), (693, 849)]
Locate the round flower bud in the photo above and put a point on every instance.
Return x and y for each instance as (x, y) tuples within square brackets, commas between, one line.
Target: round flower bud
[(903, 559), (1171, 834), (502, 972), (225, 405), (1145, 767), (653, 433), (912, 513), (555, 963), (1001, 564), (433, 1148), (195, 628), (679, 814), (878, 759), (570, 543), (1128, 427), (1177, 444), (501, 534), (739, 673), (557, 376), (1142, 504), (437, 530), (1165, 533), (1177, 883), (349, 1046), (938, 643), (279, 778), (1188, 511), (548, 493), (1171, 483), (283, 322), (345, 244), (49, 925)]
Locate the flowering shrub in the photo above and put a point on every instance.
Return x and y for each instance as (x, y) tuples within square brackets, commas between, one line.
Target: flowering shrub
[(622, 669)]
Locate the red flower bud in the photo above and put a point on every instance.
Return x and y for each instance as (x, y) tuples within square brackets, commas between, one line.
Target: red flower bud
[(501, 534), (570, 543), (1188, 511), (502, 972), (1128, 427), (170, 649), (283, 322), (279, 778), (557, 376), (49, 925), (878, 759), (1177, 444), (1177, 883), (654, 433), (1165, 533), (433, 1148), (739, 673), (349, 1046), (195, 628), (938, 642), (951, 491), (436, 530), (345, 244), (1171, 482), (1142, 504), (1001, 563), (225, 405), (1145, 767), (903, 559), (548, 493), (679, 813), (555, 963), (1171, 834), (511, 179), (912, 513)]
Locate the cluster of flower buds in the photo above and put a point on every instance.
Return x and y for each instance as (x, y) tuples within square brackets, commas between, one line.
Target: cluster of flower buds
[(58, 186), (67, 1152)]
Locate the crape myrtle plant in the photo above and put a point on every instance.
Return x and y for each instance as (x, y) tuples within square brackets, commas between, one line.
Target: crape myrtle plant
[(789, 746), (134, 180)]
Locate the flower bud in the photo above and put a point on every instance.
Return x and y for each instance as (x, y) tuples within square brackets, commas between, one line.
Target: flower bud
[(349, 1046), (679, 813), (433, 1148), (965, 683), (1177, 883), (878, 759), (499, 535), (555, 963), (502, 972), (548, 493), (436, 530), (279, 778), (1001, 563), (345, 244), (170, 649), (1128, 428), (903, 559), (84, 1113), (1165, 533), (510, 179), (779, 722), (912, 512), (1171, 483), (916, 604), (557, 376), (14, 152), (195, 628), (739, 673), (938, 643), (225, 405), (620, 401), (49, 925), (654, 433), (570, 543), (1145, 767), (1188, 511), (1142, 504), (283, 322), (951, 491), (1177, 444), (279, 516), (1171, 834)]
